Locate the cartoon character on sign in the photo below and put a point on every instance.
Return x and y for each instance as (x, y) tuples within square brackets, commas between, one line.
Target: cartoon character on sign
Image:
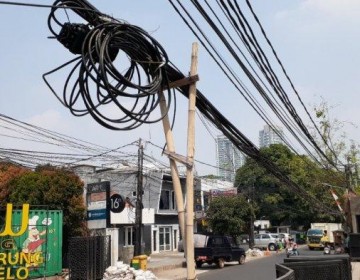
[(33, 243)]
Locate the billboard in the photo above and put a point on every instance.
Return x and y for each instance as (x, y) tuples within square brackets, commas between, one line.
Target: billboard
[(223, 192), (106, 207), (97, 198)]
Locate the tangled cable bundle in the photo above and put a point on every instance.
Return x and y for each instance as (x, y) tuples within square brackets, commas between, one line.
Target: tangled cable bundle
[(117, 99), (99, 86)]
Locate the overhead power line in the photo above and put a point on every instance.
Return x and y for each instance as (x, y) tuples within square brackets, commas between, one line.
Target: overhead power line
[(98, 56), (93, 68), (233, 13)]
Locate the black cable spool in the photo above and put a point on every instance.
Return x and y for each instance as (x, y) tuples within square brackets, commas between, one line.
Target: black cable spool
[(72, 36)]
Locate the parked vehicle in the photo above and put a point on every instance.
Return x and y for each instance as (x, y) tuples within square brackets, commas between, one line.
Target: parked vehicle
[(266, 241), (199, 241), (219, 249), (320, 233)]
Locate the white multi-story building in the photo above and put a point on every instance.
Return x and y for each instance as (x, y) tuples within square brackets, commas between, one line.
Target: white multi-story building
[(269, 136), (228, 158), (160, 227)]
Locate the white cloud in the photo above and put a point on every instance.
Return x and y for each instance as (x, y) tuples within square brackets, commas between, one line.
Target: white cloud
[(323, 11), (49, 119), (336, 9)]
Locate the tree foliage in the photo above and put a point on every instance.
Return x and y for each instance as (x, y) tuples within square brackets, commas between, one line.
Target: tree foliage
[(8, 172), (228, 215), (338, 147), (275, 200), (55, 188), (333, 139)]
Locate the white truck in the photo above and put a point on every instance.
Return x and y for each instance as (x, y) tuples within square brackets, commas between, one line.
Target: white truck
[(319, 233)]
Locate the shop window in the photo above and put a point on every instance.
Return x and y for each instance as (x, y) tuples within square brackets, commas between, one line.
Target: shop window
[(129, 236)]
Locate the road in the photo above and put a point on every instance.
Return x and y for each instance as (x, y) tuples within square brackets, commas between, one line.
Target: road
[(257, 269)]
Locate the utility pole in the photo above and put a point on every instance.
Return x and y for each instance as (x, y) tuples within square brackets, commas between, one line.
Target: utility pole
[(173, 167), (356, 175), (190, 258), (139, 204), (251, 235), (251, 204), (348, 175), (186, 227)]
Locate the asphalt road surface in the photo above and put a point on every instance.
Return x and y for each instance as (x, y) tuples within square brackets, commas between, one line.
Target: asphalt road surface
[(257, 269)]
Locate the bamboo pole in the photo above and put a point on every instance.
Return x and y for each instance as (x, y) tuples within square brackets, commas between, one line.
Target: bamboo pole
[(173, 168), (190, 258)]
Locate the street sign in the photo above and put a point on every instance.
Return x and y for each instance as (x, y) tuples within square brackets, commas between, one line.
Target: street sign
[(117, 203), (98, 214)]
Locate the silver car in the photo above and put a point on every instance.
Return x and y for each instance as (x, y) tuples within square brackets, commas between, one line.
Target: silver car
[(266, 240)]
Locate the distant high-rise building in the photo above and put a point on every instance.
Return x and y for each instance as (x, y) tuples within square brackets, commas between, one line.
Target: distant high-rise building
[(228, 158), (269, 136)]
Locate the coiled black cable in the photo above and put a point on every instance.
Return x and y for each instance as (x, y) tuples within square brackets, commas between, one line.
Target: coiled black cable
[(95, 84)]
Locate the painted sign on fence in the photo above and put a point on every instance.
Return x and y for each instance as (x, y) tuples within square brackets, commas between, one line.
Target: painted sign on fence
[(30, 243)]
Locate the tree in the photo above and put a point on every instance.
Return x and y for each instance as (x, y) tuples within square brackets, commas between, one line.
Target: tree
[(228, 215), (277, 201), (57, 188), (8, 172), (341, 150), (210, 176)]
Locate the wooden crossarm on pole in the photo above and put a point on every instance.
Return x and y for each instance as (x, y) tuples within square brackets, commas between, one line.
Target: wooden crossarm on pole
[(179, 158), (183, 82)]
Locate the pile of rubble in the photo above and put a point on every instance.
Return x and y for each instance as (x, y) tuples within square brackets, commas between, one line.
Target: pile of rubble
[(254, 252), (124, 272)]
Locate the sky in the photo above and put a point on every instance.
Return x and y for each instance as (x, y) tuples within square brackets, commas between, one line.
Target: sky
[(317, 41)]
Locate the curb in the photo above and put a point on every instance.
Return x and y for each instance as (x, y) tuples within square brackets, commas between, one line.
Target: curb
[(166, 267), (160, 269)]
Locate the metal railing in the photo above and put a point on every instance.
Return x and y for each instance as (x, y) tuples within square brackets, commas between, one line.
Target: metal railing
[(334, 267), (284, 273)]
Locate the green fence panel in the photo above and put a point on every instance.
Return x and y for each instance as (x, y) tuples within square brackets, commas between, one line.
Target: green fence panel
[(37, 252)]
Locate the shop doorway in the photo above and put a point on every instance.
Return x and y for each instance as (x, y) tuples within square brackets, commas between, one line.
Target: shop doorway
[(165, 239)]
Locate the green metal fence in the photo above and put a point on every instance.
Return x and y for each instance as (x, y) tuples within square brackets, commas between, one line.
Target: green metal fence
[(38, 251)]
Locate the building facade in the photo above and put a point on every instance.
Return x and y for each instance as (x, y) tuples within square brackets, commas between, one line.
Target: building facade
[(160, 227), (269, 136), (228, 158)]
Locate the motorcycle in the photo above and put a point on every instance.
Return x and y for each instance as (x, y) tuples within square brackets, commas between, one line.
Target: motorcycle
[(327, 249), (292, 251)]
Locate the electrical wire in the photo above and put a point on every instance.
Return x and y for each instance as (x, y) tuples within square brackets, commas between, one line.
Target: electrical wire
[(234, 79), (288, 78), (270, 75), (242, 142), (97, 82), (249, 40)]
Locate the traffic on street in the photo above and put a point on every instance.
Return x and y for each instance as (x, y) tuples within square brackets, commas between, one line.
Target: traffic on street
[(262, 268)]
